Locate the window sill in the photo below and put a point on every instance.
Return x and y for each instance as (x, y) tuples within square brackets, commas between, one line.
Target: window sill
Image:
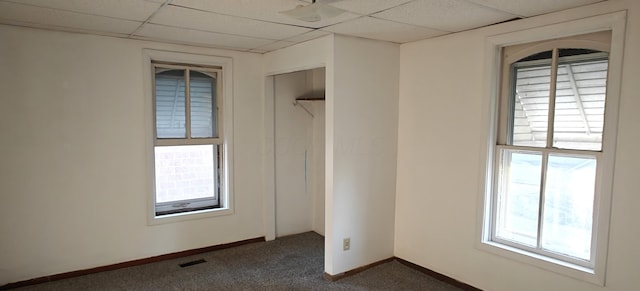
[(554, 265), (185, 216)]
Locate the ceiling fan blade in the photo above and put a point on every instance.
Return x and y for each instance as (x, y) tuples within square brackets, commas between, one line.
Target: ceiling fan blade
[(313, 12)]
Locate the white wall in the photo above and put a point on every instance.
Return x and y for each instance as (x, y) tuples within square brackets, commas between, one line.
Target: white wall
[(316, 80), (299, 153), (318, 141), (361, 144), (316, 53), (74, 171), (293, 156), (361, 110), (441, 89)]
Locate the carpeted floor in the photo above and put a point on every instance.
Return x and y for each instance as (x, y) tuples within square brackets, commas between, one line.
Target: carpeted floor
[(288, 263)]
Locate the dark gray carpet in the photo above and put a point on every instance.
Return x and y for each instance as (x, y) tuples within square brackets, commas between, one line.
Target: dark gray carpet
[(288, 263)]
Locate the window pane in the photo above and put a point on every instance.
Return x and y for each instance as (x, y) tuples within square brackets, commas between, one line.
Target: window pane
[(568, 205), (185, 172), (170, 103), (580, 97), (202, 89), (519, 196), (530, 105)]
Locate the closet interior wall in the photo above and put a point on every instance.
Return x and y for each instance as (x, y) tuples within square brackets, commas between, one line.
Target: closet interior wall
[(299, 152)]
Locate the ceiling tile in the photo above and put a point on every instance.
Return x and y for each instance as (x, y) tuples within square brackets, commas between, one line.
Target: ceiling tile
[(125, 9), (308, 36), (448, 15), (380, 29), (11, 12), (257, 25), (201, 20), (262, 10), (366, 7), (197, 37), (530, 8)]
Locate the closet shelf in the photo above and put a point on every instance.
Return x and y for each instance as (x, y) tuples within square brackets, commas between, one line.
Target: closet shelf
[(312, 96), (307, 98)]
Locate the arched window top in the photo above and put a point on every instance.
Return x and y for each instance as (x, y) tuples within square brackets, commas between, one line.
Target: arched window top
[(562, 53), (576, 45)]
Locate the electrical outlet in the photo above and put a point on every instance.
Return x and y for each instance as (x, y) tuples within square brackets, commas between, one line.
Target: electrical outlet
[(346, 244)]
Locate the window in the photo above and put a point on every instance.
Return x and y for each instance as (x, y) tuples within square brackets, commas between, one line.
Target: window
[(551, 162), (188, 140)]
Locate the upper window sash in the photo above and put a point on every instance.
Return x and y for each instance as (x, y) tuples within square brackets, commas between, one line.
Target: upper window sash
[(184, 80), (560, 73)]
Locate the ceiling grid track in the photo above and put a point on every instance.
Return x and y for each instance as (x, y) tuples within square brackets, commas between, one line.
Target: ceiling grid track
[(164, 4)]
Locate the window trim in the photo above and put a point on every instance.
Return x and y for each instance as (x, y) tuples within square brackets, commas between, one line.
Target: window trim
[(225, 130), (508, 87), (614, 22), (198, 204)]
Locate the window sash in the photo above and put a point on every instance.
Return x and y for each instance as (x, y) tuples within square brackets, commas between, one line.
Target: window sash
[(508, 88), (195, 204), (545, 152), (215, 73), (190, 141), (166, 208)]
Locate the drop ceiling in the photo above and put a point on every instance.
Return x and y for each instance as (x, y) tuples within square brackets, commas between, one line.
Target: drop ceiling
[(257, 26)]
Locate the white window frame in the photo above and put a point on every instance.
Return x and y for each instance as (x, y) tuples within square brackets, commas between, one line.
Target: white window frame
[(225, 131), (614, 22)]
